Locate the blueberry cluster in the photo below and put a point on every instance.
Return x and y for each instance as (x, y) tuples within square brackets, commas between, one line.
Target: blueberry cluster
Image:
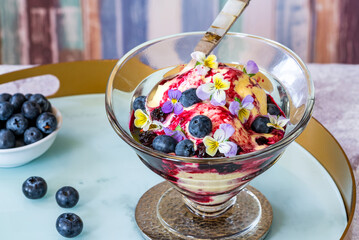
[(24, 119), (67, 224)]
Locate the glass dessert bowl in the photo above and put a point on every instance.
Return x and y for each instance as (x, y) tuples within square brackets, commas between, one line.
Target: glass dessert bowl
[(208, 198)]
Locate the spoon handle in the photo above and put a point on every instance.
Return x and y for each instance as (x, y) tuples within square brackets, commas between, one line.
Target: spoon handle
[(220, 26)]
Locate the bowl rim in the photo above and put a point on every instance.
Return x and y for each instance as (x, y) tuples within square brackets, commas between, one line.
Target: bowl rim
[(58, 116), (255, 154)]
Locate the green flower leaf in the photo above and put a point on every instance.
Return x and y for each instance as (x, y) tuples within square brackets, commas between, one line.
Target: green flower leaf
[(179, 128), (237, 99)]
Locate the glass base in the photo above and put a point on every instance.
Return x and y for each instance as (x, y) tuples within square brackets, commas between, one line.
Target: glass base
[(162, 214)]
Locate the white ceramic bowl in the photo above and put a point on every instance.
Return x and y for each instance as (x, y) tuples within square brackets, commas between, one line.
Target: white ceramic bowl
[(18, 156)]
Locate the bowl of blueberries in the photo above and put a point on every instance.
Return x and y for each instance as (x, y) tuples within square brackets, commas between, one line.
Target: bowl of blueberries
[(28, 127)]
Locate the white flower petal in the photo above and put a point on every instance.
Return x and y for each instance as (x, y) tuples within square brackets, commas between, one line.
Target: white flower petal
[(219, 135), (208, 88), (219, 95), (198, 56), (224, 147)]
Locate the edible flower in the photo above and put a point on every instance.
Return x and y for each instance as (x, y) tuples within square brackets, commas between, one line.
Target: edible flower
[(204, 64), (251, 68), (220, 141), (243, 108), (277, 122), (173, 105), (176, 134), (214, 91), (143, 121)]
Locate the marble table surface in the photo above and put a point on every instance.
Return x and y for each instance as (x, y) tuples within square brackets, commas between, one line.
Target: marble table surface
[(336, 107)]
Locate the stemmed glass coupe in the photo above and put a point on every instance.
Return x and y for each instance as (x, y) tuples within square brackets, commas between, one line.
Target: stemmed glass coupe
[(207, 198)]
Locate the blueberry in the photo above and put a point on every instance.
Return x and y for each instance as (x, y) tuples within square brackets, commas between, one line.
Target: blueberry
[(42, 101), (19, 142), (17, 100), (5, 97), (34, 187), (31, 110), (32, 135), (67, 197), (185, 148), (46, 122), (164, 143), (17, 124), (6, 110), (69, 225), (272, 109), (189, 97), (7, 139), (140, 103), (259, 125), (200, 126), (28, 95)]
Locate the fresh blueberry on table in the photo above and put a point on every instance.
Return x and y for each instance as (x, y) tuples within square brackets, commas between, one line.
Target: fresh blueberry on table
[(259, 125), (164, 143), (6, 110), (5, 97), (140, 103), (272, 109), (46, 122), (185, 148), (34, 187), (17, 100), (31, 110), (42, 101), (200, 126), (67, 197), (189, 97), (19, 142), (7, 139), (69, 225), (32, 135), (28, 96), (17, 123)]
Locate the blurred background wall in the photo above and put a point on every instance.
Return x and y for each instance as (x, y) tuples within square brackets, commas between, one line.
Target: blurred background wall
[(50, 31)]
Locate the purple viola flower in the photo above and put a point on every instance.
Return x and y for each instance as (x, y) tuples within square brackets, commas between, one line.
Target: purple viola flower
[(233, 151), (173, 105), (178, 135), (243, 108), (251, 68)]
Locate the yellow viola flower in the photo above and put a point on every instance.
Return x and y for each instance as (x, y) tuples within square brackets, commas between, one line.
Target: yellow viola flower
[(220, 142), (204, 64), (211, 62), (243, 108), (277, 122), (214, 91), (142, 120)]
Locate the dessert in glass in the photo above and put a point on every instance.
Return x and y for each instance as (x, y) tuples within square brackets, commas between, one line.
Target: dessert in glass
[(208, 131)]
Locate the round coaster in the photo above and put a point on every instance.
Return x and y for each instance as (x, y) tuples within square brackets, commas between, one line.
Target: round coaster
[(152, 206)]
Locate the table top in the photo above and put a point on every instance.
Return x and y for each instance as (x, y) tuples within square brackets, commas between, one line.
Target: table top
[(110, 178), (336, 88)]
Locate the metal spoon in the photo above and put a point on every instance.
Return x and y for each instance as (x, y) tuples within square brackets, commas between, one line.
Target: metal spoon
[(220, 26)]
